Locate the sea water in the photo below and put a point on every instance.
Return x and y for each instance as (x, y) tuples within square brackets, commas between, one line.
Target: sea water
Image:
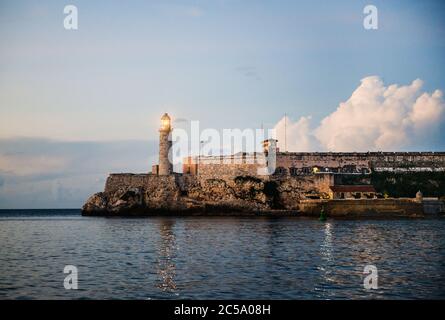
[(218, 257)]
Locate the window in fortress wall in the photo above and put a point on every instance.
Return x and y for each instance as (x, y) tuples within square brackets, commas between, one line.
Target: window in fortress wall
[(280, 171)]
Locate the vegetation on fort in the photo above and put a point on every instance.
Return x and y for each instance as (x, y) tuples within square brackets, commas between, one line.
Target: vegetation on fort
[(431, 184)]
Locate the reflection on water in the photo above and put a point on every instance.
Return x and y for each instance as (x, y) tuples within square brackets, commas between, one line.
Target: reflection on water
[(326, 247), (326, 252), (220, 258), (166, 266)]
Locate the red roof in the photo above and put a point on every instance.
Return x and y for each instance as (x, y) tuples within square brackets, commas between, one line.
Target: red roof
[(353, 188)]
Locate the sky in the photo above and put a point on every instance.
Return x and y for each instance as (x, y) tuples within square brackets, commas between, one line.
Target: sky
[(76, 105)]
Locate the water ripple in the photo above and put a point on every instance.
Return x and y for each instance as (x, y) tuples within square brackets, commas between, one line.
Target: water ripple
[(219, 258)]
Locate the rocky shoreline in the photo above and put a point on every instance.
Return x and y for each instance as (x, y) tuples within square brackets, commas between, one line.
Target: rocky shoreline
[(182, 195)]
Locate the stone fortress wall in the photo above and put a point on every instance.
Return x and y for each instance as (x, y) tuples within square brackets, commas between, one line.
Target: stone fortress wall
[(355, 162), (224, 166), (303, 163), (123, 181), (295, 173)]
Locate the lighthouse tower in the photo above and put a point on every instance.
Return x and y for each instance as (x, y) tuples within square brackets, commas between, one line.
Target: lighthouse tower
[(165, 144)]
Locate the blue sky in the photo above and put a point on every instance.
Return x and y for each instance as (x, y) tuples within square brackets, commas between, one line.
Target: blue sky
[(229, 64)]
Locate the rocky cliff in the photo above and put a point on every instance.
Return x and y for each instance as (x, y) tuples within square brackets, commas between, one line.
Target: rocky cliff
[(177, 194), (151, 194)]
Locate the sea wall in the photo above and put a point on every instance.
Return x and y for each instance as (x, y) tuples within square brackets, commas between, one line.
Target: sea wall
[(363, 208), (433, 206)]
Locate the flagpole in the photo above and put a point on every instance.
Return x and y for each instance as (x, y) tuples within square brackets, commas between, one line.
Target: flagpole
[(285, 132)]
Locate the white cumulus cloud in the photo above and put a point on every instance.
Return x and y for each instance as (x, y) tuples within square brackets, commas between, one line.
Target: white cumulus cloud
[(299, 136), (375, 117)]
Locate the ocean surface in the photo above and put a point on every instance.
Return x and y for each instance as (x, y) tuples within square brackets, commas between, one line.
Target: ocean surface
[(218, 257)]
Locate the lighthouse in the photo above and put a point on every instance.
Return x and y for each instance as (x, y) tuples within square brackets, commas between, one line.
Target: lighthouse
[(165, 144)]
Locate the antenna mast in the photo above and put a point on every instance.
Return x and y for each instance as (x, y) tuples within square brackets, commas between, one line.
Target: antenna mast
[(285, 132)]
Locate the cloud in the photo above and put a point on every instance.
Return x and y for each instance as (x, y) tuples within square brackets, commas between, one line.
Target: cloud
[(375, 117), (16, 164), (299, 137), (43, 173), (249, 71)]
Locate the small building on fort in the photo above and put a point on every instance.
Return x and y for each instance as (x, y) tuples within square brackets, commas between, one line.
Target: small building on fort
[(352, 192)]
